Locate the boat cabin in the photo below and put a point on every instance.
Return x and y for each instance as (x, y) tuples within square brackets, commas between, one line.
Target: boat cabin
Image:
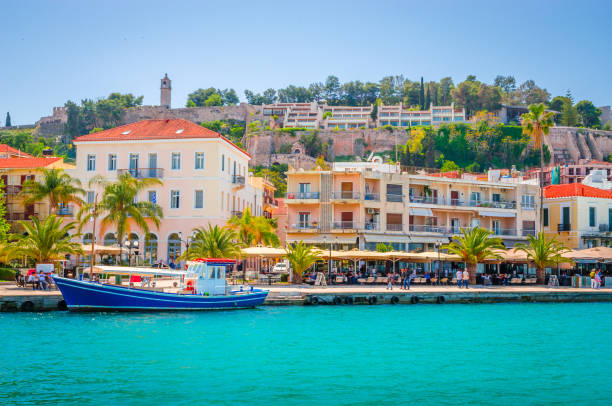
[(206, 276)]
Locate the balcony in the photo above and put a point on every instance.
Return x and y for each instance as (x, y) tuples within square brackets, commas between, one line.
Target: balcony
[(529, 232), (65, 211), (441, 201), (564, 227), (604, 228), (394, 227), (345, 195), (143, 173), (503, 231), (427, 229), (344, 225), (371, 226), (15, 216), (392, 197), (238, 180), (303, 195), (304, 227), (371, 197), (12, 189)]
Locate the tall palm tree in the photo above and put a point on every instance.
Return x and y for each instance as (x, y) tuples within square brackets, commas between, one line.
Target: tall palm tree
[(474, 246), (264, 232), (56, 186), (119, 207), (213, 242), (543, 252), (47, 240), (536, 124), (301, 257)]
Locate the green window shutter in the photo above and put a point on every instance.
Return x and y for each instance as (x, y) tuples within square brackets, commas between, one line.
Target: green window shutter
[(545, 215)]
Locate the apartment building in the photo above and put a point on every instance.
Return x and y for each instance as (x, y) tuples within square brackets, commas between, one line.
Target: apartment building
[(204, 178), (16, 167), (358, 205), (321, 116), (571, 173), (269, 203), (579, 215)]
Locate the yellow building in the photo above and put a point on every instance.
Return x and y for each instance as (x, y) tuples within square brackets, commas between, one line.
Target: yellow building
[(363, 204), (15, 168), (580, 216)]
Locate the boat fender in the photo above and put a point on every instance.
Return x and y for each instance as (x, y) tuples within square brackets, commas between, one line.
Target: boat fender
[(153, 284), (372, 300), (414, 299), (314, 300), (348, 300), (175, 284), (337, 300), (394, 300), (61, 305), (27, 306), (440, 299)]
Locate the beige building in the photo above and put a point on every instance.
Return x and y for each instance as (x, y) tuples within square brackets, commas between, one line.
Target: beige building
[(363, 204)]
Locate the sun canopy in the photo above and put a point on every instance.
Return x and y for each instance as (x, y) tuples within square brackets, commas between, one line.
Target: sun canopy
[(100, 249), (511, 255), (421, 211), (266, 252), (131, 270), (595, 254)]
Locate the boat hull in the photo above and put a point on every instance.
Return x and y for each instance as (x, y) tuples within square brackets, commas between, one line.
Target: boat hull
[(89, 296)]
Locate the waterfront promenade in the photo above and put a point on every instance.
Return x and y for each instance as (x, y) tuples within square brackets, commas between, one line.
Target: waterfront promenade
[(13, 298)]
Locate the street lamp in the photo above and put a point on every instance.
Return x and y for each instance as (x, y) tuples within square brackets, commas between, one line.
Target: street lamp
[(438, 246), (129, 244), (330, 258)]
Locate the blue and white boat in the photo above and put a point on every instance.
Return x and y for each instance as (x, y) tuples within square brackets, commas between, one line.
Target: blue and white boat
[(202, 287)]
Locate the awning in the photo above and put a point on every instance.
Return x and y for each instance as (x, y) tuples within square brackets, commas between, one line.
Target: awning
[(420, 211), (267, 252), (496, 213), (387, 238), (428, 240)]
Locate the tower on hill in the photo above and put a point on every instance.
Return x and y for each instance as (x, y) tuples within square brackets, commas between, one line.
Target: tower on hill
[(165, 91)]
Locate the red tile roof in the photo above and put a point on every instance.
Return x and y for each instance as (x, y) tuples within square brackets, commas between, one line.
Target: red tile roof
[(7, 149), (156, 130), (575, 189), (25, 163)]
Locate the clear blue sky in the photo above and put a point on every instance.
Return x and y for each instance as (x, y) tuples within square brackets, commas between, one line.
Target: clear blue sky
[(53, 51)]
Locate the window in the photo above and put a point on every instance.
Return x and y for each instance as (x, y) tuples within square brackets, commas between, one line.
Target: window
[(394, 193), (304, 219), (91, 163), (198, 199), (91, 196), (592, 217), (222, 162), (545, 217), (112, 162), (152, 196), (176, 161), (199, 160), (304, 190), (175, 199), (475, 197), (528, 201), (496, 197)]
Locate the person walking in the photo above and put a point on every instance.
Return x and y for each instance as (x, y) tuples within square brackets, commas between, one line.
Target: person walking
[(598, 279), (466, 278), (459, 276), (592, 275), (406, 279), (390, 281), (41, 281)]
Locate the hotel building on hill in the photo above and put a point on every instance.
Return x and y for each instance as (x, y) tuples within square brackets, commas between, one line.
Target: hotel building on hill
[(358, 205), (205, 179)]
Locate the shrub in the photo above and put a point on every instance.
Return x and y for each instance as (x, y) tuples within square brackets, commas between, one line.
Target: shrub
[(7, 274)]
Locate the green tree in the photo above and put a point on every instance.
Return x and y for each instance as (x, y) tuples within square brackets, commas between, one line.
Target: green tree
[(449, 166), (4, 225), (382, 247), (569, 114), (536, 124), (119, 205), (422, 95), (253, 230), (47, 240), (213, 100), (506, 83), (212, 242), (301, 257), (589, 114), (7, 122), (474, 246), (56, 186), (312, 144), (543, 252)]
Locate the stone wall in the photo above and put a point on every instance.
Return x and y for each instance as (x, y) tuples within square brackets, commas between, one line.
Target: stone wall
[(571, 144), (241, 112)]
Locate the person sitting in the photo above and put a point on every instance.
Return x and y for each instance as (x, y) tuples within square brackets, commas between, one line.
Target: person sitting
[(427, 278), (42, 283)]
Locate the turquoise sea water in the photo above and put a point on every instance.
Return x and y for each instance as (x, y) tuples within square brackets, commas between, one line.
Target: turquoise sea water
[(502, 354)]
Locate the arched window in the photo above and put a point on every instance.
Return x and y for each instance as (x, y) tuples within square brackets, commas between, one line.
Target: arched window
[(150, 248), (87, 238), (174, 247), (110, 239)]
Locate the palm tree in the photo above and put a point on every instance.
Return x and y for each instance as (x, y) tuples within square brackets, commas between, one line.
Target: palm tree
[(544, 253), (7, 251), (120, 208), (474, 246), (301, 257), (264, 232), (536, 125), (47, 240), (56, 186), (213, 242)]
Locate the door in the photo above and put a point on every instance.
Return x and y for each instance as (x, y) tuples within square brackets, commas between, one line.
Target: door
[(134, 165), (609, 220), (455, 226), (304, 220), (153, 165), (347, 190), (347, 219), (496, 227), (304, 192), (565, 218), (454, 198), (434, 196)]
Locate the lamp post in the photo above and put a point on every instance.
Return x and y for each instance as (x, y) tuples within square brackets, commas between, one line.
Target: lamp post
[(438, 245), (329, 267), (129, 244)]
